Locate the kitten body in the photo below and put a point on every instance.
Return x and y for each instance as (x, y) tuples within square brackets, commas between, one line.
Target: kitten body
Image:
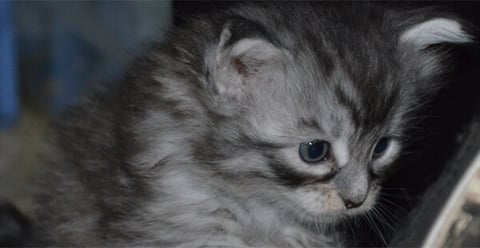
[(199, 145)]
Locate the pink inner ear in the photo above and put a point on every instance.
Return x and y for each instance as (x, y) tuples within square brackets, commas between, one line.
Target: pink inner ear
[(248, 67), (240, 66)]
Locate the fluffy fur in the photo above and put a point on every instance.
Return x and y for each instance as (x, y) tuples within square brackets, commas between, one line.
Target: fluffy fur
[(199, 144)]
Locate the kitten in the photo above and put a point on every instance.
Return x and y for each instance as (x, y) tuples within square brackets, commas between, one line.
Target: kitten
[(263, 125)]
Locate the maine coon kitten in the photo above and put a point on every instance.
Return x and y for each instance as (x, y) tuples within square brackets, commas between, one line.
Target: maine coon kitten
[(259, 126)]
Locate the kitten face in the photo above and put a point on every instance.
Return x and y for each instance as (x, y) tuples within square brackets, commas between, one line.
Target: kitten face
[(319, 159), (315, 116)]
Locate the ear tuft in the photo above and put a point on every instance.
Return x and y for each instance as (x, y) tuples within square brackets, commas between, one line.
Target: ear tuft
[(250, 56), (435, 31), (244, 57)]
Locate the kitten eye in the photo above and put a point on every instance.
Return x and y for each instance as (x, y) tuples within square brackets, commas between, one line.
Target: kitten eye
[(314, 151), (380, 147)]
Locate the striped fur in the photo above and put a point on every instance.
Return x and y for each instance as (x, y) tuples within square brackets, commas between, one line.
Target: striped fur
[(199, 144)]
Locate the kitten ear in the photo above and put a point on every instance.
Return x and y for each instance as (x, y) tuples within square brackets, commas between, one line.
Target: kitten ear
[(244, 57), (416, 38), (435, 31)]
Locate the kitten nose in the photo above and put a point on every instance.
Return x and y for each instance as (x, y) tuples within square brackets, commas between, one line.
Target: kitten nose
[(352, 204)]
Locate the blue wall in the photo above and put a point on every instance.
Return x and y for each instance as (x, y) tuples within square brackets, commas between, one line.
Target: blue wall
[(56, 50), (8, 68)]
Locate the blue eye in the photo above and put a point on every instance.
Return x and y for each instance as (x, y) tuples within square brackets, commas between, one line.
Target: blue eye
[(381, 147), (314, 151)]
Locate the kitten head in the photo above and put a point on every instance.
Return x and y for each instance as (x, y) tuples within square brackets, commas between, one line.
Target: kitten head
[(314, 108)]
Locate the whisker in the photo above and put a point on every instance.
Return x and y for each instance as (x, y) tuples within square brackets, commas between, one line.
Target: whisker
[(352, 229), (383, 220), (379, 232), (393, 204)]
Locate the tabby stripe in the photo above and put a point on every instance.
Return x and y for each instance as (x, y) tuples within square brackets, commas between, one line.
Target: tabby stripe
[(288, 176)]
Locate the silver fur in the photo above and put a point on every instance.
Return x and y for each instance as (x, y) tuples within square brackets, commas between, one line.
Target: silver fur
[(199, 145)]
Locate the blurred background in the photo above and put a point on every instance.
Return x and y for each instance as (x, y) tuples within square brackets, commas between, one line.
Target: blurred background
[(51, 52)]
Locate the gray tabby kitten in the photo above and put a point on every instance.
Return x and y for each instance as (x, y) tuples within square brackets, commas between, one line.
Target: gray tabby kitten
[(260, 126)]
